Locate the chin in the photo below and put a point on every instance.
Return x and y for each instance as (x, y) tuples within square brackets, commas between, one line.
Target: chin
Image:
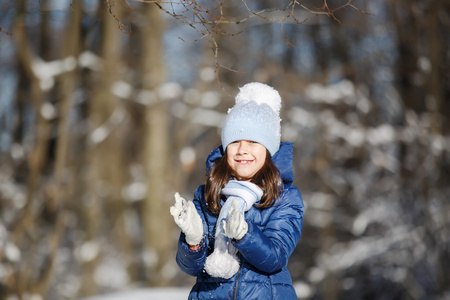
[(243, 177)]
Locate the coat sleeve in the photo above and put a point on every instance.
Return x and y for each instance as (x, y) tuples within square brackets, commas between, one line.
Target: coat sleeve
[(269, 249), (192, 261)]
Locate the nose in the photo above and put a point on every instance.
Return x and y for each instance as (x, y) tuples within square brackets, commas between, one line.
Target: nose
[(242, 148)]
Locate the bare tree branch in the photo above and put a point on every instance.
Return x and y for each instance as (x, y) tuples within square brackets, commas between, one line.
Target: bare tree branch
[(110, 4), (209, 22)]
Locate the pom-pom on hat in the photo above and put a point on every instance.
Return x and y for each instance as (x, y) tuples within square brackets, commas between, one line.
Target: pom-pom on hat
[(255, 117)]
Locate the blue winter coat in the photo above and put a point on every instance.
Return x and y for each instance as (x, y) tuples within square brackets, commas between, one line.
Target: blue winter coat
[(264, 251)]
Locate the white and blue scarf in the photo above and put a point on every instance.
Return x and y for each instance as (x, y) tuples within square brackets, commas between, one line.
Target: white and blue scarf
[(224, 262)]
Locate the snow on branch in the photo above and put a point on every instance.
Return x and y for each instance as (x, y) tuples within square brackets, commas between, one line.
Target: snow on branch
[(102, 132), (47, 71)]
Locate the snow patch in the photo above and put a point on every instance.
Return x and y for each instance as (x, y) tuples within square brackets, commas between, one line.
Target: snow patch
[(302, 117), (207, 117), (46, 71), (383, 134), (187, 155), (170, 90), (146, 98), (330, 94), (210, 99), (88, 59), (12, 252), (122, 89), (207, 74), (303, 290), (170, 293), (111, 273), (88, 251), (48, 111), (134, 192), (102, 132)]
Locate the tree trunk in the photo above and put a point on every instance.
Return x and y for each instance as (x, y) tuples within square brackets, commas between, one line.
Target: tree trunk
[(24, 234), (106, 176), (59, 196), (157, 221)]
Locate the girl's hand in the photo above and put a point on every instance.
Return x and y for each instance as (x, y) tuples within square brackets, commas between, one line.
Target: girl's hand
[(187, 218), (236, 226)]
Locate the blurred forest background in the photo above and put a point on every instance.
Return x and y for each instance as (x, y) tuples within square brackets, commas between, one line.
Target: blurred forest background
[(107, 108)]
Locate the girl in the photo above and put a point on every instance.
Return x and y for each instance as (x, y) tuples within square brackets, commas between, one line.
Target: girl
[(244, 223)]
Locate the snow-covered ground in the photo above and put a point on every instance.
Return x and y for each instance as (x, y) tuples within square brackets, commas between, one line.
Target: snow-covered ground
[(169, 293), (303, 290)]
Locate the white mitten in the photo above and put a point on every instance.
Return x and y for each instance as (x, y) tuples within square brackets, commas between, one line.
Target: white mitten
[(236, 226), (187, 218)]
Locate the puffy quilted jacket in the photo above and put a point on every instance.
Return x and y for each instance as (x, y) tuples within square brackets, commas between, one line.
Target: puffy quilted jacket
[(264, 251)]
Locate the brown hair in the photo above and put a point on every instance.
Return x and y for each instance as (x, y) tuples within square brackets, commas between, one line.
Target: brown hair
[(267, 178)]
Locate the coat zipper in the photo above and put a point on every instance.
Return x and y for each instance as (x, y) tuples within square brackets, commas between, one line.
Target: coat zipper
[(237, 279)]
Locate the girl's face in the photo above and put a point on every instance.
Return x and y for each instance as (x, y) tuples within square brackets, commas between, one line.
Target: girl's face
[(246, 158)]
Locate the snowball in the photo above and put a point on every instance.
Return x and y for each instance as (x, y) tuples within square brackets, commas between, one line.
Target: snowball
[(222, 264)]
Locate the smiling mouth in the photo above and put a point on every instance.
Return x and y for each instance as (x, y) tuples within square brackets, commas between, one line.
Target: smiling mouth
[(244, 161)]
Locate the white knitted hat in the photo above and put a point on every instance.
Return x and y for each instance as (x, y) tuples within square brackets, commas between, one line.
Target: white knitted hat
[(254, 117)]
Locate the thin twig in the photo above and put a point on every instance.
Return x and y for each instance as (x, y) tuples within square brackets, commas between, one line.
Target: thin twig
[(207, 21)]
